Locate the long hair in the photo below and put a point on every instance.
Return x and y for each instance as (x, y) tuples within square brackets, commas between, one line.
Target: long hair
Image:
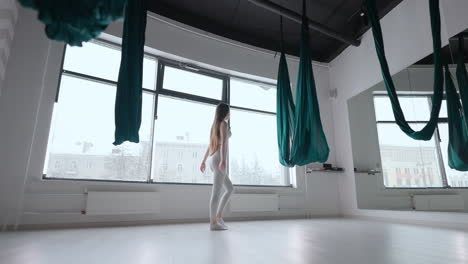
[(222, 110)]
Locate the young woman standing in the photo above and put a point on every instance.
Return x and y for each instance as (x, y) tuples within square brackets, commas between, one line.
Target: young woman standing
[(217, 158)]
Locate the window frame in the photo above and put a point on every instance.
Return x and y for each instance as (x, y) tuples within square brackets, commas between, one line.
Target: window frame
[(161, 63), (437, 140)]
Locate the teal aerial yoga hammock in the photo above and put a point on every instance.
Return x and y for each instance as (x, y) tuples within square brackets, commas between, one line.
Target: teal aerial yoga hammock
[(428, 130), (458, 129), (128, 100), (301, 139), (285, 109), (462, 76), (78, 21), (458, 113)]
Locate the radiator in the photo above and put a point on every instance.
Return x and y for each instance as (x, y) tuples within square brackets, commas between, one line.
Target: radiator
[(254, 203), (442, 202), (115, 203)]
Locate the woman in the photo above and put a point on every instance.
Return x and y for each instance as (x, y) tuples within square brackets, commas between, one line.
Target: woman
[(217, 155)]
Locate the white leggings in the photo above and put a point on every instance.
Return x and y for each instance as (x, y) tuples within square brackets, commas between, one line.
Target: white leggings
[(220, 178)]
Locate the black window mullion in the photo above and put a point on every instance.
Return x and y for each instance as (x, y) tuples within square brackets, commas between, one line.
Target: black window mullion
[(89, 77), (189, 97), (96, 79), (226, 84), (252, 110), (159, 73), (440, 158), (192, 68), (159, 85), (59, 83)]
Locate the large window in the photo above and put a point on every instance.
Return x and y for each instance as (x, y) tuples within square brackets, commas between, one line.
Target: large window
[(409, 163), (178, 110), (81, 135)]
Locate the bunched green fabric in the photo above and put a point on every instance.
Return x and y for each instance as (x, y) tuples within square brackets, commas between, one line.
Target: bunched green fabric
[(458, 129), (128, 101), (285, 112), (76, 21), (462, 76), (458, 113), (303, 131), (428, 130)]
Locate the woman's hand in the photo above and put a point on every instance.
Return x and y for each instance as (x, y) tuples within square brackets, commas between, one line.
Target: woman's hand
[(222, 165), (203, 167)]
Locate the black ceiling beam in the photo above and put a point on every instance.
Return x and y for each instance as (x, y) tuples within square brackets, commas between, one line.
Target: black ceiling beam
[(277, 9), (463, 34)]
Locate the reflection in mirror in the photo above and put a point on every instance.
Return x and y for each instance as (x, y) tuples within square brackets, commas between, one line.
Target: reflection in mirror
[(393, 170)]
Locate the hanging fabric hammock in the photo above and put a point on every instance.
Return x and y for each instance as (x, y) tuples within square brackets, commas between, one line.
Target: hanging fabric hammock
[(78, 21), (301, 139), (428, 130), (462, 75), (458, 129), (457, 113), (128, 100), (285, 108)]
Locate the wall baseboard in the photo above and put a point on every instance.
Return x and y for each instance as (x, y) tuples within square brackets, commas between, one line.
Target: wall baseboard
[(27, 227), (436, 224)]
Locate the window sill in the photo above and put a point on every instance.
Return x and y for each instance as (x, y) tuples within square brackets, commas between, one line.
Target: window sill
[(235, 185), (44, 178), (425, 188)]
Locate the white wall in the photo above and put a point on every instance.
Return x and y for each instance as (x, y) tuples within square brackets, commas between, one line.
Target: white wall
[(25, 114), (407, 37)]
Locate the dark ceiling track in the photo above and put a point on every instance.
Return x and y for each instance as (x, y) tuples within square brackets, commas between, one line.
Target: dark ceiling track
[(277, 9), (463, 34)]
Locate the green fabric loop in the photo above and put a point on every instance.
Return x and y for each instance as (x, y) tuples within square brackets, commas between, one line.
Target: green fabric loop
[(76, 21), (462, 75), (285, 112), (301, 139), (458, 129), (128, 101), (428, 130)]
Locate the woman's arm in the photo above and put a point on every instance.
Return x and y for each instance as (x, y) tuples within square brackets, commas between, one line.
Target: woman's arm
[(203, 164), (224, 146)]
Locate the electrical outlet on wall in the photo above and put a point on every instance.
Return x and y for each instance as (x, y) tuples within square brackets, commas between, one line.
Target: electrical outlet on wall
[(333, 93)]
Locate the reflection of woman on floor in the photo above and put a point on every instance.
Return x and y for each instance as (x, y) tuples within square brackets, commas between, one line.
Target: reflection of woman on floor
[(217, 158)]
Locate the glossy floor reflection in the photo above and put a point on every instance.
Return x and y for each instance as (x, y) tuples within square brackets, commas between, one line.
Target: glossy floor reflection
[(321, 241)]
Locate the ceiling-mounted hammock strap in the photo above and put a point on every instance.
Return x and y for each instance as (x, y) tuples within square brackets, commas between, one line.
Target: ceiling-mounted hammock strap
[(75, 22), (304, 129), (282, 35), (458, 129), (129, 87), (284, 108), (462, 75), (428, 130)]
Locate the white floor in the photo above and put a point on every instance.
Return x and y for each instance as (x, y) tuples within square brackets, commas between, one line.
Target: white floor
[(319, 241)]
